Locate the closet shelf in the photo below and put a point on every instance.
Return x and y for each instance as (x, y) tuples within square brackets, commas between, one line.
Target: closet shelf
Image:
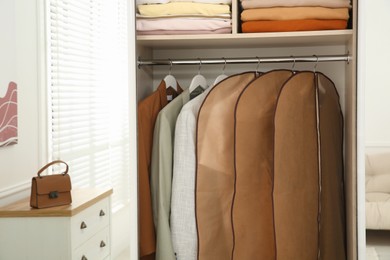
[(293, 39)]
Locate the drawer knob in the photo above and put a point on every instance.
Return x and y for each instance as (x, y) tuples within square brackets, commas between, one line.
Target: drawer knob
[(83, 225), (84, 258), (102, 213), (102, 244)]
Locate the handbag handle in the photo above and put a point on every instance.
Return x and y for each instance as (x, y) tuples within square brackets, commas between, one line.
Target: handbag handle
[(50, 164)]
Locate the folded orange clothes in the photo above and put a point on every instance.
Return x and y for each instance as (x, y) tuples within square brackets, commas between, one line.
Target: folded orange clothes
[(293, 25)]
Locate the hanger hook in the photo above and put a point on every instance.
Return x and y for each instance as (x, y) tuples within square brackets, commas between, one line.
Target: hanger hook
[(224, 66), (293, 66), (170, 66), (200, 65), (258, 65), (315, 66)]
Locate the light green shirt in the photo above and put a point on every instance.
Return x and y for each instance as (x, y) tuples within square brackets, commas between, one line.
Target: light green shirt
[(161, 174)]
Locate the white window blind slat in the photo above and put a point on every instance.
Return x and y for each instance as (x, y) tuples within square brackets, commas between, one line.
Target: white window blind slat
[(67, 38), (88, 89), (76, 55), (61, 59), (68, 8), (80, 3)]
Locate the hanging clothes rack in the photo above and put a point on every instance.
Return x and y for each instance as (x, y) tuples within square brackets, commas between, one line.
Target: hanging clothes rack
[(213, 61)]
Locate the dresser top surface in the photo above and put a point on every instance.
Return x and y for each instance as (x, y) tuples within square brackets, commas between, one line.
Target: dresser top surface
[(81, 199)]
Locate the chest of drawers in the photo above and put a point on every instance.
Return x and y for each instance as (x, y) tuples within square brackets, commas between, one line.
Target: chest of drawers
[(80, 231)]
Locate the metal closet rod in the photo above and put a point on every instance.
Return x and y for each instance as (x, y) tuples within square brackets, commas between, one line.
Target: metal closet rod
[(283, 59)]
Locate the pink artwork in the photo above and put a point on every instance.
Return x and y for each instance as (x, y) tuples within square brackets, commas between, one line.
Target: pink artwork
[(9, 117)]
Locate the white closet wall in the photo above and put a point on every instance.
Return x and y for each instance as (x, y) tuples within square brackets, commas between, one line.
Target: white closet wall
[(21, 35), (133, 206), (266, 45), (377, 90)]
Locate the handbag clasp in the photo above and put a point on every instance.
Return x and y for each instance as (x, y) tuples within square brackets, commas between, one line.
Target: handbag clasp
[(53, 194)]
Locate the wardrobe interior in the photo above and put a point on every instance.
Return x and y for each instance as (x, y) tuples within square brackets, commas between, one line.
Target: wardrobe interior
[(236, 45)]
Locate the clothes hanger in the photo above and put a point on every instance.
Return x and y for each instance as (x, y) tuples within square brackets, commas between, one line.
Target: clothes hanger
[(315, 65), (170, 81), (199, 81), (293, 66), (258, 73), (222, 76), (319, 86)]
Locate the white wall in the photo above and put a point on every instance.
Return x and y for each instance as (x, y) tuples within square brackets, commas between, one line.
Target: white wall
[(20, 162), (376, 69), (374, 55)]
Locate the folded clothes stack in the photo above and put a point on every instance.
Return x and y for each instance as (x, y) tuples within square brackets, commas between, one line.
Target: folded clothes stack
[(293, 15), (162, 17)]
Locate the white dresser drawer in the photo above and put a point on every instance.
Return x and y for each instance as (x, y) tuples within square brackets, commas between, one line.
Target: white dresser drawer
[(54, 233), (96, 248), (88, 222)]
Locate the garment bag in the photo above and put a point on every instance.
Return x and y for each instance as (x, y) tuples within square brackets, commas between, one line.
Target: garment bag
[(332, 215), (215, 168), (308, 170), (252, 215)]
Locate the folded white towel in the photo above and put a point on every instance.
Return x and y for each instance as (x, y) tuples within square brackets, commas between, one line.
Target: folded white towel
[(199, 24), (224, 16), (183, 8), (167, 32)]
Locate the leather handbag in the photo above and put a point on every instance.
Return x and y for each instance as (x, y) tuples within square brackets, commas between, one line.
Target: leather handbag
[(51, 190)]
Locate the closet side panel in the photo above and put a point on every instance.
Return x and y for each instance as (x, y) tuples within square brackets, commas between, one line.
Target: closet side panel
[(355, 200), (132, 216), (350, 156)]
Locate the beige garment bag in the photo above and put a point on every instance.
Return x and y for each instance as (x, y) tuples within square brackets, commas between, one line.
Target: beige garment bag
[(215, 168), (252, 216), (333, 227), (308, 170), (269, 172)]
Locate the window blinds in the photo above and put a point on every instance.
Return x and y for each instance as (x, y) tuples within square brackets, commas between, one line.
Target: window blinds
[(88, 81)]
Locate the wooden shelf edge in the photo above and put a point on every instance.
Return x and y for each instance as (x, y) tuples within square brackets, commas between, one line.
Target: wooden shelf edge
[(247, 39)]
